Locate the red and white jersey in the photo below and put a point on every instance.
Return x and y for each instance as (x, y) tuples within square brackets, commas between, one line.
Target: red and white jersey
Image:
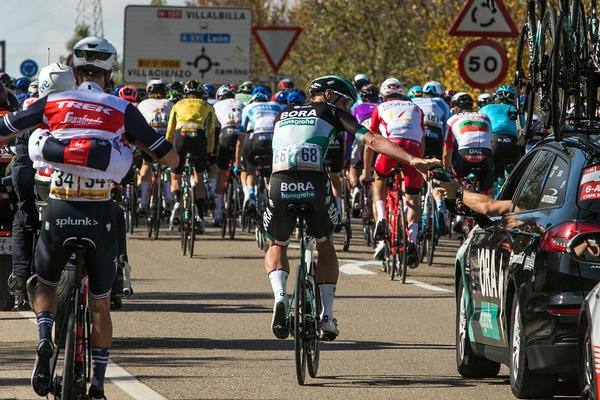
[(398, 119), (470, 130), (29, 101), (156, 112)]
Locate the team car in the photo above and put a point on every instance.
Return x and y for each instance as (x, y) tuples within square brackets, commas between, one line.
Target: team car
[(518, 290)]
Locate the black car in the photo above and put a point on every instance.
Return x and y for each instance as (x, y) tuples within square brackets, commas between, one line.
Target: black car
[(518, 293)]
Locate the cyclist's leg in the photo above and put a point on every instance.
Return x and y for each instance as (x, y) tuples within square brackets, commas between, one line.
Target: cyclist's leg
[(225, 155), (145, 179), (197, 148), (383, 167), (413, 183)]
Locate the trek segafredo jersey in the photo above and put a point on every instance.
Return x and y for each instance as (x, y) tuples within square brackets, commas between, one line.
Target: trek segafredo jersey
[(304, 132)]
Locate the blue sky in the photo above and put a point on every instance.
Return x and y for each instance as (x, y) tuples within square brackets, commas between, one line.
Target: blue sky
[(31, 26)]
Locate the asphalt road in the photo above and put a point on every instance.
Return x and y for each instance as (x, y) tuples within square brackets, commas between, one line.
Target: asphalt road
[(200, 329)]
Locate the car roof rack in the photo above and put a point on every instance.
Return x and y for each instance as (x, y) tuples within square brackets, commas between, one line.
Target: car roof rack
[(581, 126)]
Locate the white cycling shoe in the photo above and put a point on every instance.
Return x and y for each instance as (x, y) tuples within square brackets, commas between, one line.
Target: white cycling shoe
[(329, 329)]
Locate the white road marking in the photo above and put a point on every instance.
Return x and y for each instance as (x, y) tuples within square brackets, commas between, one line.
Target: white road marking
[(119, 376), (427, 286), (354, 268)]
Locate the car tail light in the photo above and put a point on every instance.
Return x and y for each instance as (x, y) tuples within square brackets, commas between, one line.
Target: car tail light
[(563, 311), (558, 237), (5, 233)]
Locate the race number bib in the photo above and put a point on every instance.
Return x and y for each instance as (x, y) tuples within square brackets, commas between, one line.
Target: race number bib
[(66, 186), (305, 156), (432, 120)]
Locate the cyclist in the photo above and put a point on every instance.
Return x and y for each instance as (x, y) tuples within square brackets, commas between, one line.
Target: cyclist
[(295, 98), (263, 89), (211, 92), (400, 121), (415, 92), (435, 113), (21, 89), (191, 129), (360, 80), (286, 84), (244, 92), (156, 110), (505, 146), (93, 58), (281, 97), (174, 96), (258, 120), (129, 93), (300, 140), (484, 99), (468, 145), (229, 116)]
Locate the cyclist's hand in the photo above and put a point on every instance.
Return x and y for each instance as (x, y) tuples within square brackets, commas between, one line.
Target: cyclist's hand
[(236, 170), (365, 175), (450, 187), (171, 160), (424, 165)]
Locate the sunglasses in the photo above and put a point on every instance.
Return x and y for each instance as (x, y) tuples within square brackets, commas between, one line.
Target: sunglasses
[(348, 101), (90, 55)]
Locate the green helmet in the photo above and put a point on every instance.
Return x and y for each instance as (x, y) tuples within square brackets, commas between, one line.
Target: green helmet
[(333, 82)]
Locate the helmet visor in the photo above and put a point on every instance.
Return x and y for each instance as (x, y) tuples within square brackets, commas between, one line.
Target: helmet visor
[(90, 55)]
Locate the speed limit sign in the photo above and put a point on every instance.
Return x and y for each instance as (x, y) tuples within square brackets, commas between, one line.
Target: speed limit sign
[(483, 63)]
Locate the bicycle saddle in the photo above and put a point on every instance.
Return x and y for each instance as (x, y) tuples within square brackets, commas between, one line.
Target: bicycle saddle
[(79, 243), (299, 209)]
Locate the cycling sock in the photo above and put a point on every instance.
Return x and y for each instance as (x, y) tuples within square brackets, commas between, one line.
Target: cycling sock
[(278, 280), (45, 320), (413, 229), (177, 195), (219, 206), (380, 207), (144, 191), (200, 207), (99, 361), (247, 192), (327, 291)]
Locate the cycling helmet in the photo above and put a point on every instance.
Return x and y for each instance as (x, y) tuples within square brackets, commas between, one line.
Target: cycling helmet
[(141, 94), (415, 91), (225, 92), (55, 77), (210, 90), (484, 99), (295, 97), (434, 88), (177, 86), (116, 90), (258, 97), (262, 89), (128, 93), (285, 84), (174, 96), (369, 93), (506, 94), (360, 80), (281, 97), (33, 88), (157, 86), (335, 83), (96, 53), (22, 83), (193, 87), (245, 87), (462, 101), (390, 87)]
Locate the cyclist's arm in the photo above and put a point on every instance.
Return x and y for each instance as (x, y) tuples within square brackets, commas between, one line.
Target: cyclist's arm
[(239, 147), (10, 124), (448, 146), (210, 131), (483, 204), (171, 125)]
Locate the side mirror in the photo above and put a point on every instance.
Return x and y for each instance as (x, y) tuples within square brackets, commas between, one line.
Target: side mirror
[(585, 247)]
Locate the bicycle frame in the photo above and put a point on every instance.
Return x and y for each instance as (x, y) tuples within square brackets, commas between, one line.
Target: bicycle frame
[(397, 225)]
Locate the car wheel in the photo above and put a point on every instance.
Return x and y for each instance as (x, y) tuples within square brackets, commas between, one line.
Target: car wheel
[(469, 364), (7, 300), (524, 383), (587, 376)]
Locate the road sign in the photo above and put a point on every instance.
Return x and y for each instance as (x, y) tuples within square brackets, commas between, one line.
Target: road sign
[(182, 43), (483, 64), (483, 18), (29, 68), (2, 55), (276, 42)]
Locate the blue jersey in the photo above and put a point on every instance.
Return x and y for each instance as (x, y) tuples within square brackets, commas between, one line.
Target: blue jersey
[(435, 115), (498, 115), (260, 117)]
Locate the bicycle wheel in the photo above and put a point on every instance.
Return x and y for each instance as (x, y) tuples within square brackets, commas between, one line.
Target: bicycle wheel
[(546, 107), (313, 349), (299, 322), (524, 82), (431, 234), (392, 233), (68, 378), (401, 245), (151, 205), (233, 210), (184, 219), (158, 206), (192, 222)]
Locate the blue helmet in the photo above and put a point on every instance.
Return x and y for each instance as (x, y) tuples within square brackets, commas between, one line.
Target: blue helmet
[(117, 90), (262, 89), (281, 97), (210, 89), (506, 94), (260, 97), (415, 91), (295, 97), (22, 83)]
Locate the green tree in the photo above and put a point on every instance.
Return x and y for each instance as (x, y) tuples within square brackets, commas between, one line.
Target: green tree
[(81, 31)]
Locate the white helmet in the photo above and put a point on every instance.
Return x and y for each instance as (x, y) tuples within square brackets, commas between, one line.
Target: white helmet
[(55, 78), (434, 88), (361, 77), (33, 88), (225, 91), (156, 85), (96, 52), (391, 86)]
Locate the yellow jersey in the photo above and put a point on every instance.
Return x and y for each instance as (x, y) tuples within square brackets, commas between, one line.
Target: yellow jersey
[(192, 115)]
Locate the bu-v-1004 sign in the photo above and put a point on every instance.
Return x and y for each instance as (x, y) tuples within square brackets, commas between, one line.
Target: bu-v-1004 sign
[(182, 43)]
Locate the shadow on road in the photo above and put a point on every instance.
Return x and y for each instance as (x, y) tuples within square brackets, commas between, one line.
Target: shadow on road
[(390, 381)]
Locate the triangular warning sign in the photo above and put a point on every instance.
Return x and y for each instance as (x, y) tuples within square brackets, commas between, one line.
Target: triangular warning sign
[(276, 42), (483, 18)]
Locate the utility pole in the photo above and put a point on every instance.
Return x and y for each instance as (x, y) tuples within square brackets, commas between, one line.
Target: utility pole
[(89, 12)]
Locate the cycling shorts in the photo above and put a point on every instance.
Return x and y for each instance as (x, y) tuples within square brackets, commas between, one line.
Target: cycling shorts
[(434, 143), (413, 180), (356, 155), (258, 145), (467, 161), (506, 153), (335, 159), (195, 145), (226, 147), (93, 222), (296, 187)]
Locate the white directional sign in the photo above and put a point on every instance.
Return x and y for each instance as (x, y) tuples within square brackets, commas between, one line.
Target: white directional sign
[(276, 42), (483, 64), (483, 18), (182, 43)]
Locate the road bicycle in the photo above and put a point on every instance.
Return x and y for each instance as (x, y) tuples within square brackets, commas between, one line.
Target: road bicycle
[(263, 171), (430, 225), (396, 238), (304, 315), (346, 212), (366, 214), (156, 203), (129, 204), (188, 208), (232, 204)]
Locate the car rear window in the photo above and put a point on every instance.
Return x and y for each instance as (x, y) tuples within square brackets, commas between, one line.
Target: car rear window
[(589, 188), (535, 177), (555, 188)]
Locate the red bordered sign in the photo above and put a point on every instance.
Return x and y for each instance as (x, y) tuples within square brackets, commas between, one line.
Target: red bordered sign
[(483, 64), (483, 18), (276, 42)]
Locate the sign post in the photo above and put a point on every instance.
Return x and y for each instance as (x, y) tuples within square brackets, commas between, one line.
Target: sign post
[(276, 43), (2, 55)]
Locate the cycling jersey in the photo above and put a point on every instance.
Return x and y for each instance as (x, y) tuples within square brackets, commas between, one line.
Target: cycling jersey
[(303, 133), (498, 116), (229, 113), (353, 148), (435, 116), (260, 117), (398, 119), (29, 101), (470, 130), (156, 112), (243, 98)]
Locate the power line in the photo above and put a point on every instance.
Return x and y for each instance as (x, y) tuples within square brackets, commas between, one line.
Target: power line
[(89, 12)]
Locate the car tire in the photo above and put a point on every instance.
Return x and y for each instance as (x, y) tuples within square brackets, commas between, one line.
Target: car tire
[(469, 364), (7, 300), (524, 383), (587, 375)]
